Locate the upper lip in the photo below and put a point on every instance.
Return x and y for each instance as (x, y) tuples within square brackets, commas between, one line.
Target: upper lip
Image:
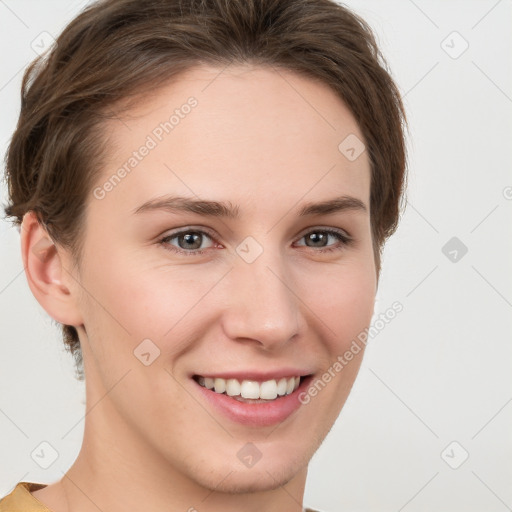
[(257, 375)]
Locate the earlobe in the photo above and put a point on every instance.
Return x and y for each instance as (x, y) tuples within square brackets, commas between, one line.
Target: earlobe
[(47, 274)]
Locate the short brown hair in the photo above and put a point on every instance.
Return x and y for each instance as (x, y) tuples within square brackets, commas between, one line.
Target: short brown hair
[(116, 48)]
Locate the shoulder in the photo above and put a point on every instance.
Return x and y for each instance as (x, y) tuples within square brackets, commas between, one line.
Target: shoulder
[(20, 499)]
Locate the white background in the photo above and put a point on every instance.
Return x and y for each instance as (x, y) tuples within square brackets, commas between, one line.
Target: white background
[(439, 372)]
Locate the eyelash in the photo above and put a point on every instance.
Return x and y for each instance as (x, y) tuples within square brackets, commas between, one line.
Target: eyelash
[(345, 240)]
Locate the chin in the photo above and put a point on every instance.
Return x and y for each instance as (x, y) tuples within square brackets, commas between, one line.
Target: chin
[(250, 480), (265, 475)]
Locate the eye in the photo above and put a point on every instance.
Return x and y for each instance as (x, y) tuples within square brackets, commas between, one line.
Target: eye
[(319, 238), (192, 242), (189, 242)]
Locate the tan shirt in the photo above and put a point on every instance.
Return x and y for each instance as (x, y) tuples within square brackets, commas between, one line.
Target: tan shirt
[(20, 499)]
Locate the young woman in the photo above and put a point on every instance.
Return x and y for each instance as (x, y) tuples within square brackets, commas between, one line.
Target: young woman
[(203, 191)]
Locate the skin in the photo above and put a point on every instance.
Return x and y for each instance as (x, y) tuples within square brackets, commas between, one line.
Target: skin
[(263, 140)]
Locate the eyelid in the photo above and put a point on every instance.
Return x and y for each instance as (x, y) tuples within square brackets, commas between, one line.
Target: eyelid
[(186, 229), (325, 229), (211, 233)]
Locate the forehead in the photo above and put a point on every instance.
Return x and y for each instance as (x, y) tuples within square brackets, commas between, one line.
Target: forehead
[(242, 130)]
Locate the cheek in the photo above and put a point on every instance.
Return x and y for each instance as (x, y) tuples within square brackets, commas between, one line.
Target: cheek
[(344, 300), (135, 302)]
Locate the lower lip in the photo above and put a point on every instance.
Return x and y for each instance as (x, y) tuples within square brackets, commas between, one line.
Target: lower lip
[(256, 414)]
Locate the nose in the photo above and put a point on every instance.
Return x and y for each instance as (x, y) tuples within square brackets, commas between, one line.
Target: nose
[(262, 306)]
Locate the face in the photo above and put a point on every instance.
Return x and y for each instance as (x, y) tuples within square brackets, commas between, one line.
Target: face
[(240, 282)]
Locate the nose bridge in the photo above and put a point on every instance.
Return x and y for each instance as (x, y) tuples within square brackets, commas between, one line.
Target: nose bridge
[(262, 305)]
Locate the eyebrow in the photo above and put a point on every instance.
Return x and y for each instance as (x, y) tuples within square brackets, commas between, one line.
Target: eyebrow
[(228, 210)]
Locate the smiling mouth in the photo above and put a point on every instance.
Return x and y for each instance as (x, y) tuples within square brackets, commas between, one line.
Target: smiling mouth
[(251, 391)]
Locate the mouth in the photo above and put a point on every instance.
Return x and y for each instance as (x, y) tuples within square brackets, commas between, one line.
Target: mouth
[(251, 391), (253, 401)]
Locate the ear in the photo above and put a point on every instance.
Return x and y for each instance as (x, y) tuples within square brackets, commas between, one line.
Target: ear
[(48, 273)]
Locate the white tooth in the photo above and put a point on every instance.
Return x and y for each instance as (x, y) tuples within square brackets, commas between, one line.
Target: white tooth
[(232, 387), (220, 385), (200, 381), (268, 390), (281, 387), (250, 389), (290, 383)]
